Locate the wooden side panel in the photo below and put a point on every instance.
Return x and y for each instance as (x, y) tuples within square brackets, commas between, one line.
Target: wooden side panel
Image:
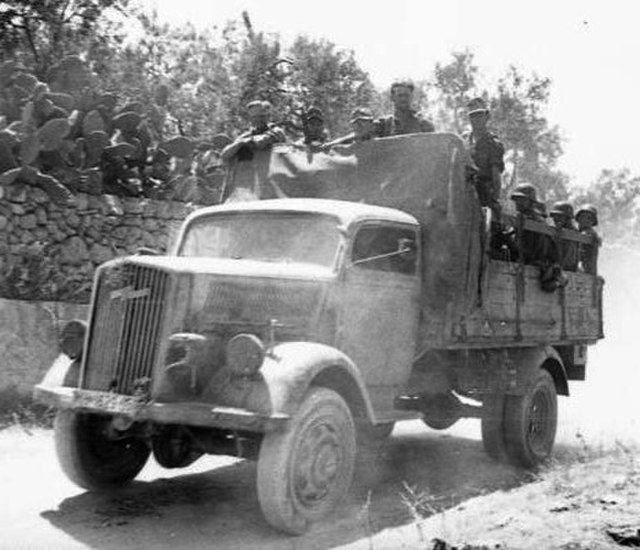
[(509, 315), (584, 307)]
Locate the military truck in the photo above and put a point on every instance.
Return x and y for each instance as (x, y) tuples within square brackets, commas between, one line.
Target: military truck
[(355, 288)]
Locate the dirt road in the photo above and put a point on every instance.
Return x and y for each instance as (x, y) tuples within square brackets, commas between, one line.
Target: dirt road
[(213, 503)]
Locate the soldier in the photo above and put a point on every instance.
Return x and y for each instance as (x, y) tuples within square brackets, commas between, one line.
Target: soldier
[(562, 215), (535, 248), (404, 119), (363, 125), (315, 133), (587, 218), (261, 135), (487, 153)]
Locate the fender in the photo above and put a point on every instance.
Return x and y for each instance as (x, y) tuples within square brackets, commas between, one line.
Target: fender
[(65, 372), (529, 360), (289, 369)]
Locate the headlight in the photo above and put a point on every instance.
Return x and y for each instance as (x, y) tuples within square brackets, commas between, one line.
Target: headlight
[(245, 353), (72, 338)]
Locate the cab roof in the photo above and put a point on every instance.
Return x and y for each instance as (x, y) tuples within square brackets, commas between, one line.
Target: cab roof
[(346, 212)]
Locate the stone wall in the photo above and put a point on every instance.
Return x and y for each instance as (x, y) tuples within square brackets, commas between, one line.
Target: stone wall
[(29, 339), (48, 252)]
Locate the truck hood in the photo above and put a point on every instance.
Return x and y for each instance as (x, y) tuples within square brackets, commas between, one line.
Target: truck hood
[(233, 268)]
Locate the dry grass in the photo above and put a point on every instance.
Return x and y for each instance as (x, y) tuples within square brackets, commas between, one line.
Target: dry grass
[(588, 498)]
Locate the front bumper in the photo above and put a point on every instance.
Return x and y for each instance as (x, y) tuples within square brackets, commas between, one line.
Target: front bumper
[(189, 414)]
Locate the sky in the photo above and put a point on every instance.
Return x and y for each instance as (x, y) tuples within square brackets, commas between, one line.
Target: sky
[(589, 48)]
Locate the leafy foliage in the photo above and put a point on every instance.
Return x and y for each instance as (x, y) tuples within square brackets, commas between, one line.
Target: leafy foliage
[(616, 195), (38, 32), (517, 104), (66, 135)]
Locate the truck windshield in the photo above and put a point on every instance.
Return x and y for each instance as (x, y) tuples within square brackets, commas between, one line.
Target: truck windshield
[(264, 236)]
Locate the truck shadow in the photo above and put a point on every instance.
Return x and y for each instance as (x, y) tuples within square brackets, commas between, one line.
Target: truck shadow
[(420, 471)]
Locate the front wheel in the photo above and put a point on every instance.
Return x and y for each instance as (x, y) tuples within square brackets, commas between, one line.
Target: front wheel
[(530, 422), (92, 454), (305, 471)]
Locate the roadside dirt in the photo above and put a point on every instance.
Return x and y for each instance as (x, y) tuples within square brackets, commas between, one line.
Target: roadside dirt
[(594, 485)]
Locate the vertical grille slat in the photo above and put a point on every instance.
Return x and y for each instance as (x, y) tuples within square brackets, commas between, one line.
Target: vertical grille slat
[(128, 310), (133, 350), (147, 326)]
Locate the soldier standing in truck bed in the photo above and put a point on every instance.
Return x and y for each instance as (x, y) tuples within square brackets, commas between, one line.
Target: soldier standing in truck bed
[(587, 218), (562, 215), (534, 248), (261, 135), (404, 119), (363, 125), (315, 133), (487, 153)]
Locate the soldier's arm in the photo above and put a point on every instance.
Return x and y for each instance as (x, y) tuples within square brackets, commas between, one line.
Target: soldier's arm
[(427, 126), (344, 140), (496, 154), (268, 138), (230, 150)]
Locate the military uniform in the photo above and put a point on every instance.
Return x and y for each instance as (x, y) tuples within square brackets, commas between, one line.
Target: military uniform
[(313, 139), (360, 114), (263, 138), (260, 136), (562, 215), (534, 248), (487, 152), (588, 253), (398, 124)]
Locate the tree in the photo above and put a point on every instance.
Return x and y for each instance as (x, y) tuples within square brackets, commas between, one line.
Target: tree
[(40, 32), (455, 84), (329, 78), (615, 193), (517, 104), (533, 146)]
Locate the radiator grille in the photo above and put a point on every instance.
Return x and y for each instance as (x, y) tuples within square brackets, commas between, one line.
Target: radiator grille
[(128, 309)]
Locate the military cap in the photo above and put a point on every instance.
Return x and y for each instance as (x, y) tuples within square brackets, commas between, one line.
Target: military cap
[(526, 190), (402, 84), (588, 209), (476, 105), (264, 107), (563, 208), (314, 112), (361, 113)]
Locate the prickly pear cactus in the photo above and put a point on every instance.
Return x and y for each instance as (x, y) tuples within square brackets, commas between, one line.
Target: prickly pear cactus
[(65, 136)]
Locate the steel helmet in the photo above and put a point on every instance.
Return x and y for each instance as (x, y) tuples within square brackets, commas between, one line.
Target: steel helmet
[(525, 190), (562, 207), (590, 209)]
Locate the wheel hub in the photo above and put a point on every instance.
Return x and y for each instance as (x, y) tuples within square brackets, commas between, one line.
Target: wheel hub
[(317, 464), (538, 431)]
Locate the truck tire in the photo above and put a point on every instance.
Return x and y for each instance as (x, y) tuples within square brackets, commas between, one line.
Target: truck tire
[(305, 471), (492, 426), (92, 459), (531, 421)]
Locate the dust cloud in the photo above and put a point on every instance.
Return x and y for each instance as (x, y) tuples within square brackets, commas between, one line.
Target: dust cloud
[(606, 407)]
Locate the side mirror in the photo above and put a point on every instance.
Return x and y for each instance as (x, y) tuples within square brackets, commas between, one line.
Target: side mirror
[(406, 248)]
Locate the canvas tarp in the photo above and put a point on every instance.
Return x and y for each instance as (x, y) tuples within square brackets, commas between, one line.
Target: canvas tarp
[(422, 174)]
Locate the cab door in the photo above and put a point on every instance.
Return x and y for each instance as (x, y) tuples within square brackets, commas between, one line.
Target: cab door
[(379, 308)]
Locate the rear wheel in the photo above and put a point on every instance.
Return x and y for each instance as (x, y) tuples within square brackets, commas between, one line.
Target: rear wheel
[(305, 471), (530, 422), (92, 454)]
